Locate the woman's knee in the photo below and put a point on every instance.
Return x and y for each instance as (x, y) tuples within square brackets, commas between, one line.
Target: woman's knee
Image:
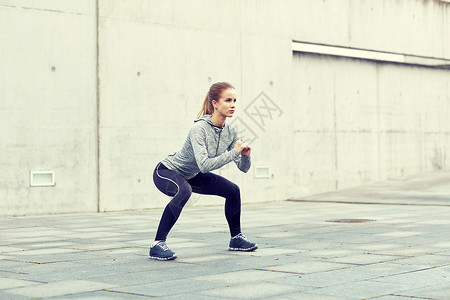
[(186, 189), (183, 195)]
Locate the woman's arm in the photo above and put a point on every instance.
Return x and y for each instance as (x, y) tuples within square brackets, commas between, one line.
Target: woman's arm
[(204, 162)]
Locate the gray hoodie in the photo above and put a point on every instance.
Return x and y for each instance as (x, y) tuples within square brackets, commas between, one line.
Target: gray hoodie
[(207, 147)]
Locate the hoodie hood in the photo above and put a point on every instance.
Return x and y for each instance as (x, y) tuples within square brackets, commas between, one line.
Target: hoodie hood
[(207, 119)]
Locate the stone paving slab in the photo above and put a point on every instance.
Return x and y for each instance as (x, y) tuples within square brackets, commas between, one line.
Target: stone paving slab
[(255, 290), (363, 289), (59, 288), (435, 291), (305, 252)]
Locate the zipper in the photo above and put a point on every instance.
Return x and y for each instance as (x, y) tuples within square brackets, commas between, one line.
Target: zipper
[(218, 142)]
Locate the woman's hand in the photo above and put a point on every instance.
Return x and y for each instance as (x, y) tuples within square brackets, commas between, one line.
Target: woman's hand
[(246, 151), (242, 147)]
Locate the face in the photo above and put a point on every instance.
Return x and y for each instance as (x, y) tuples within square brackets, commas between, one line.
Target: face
[(226, 105)]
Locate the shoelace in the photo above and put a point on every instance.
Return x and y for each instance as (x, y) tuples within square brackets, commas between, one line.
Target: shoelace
[(163, 246), (240, 236)]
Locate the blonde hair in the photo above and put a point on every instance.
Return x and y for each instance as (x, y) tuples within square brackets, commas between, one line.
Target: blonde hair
[(214, 93)]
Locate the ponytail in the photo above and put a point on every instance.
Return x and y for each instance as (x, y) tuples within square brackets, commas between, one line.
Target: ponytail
[(207, 108), (214, 93)]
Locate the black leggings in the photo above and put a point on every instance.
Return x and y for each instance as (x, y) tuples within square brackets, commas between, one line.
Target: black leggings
[(173, 184)]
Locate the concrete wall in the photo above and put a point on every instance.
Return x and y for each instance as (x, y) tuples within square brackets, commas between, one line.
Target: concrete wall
[(318, 122), (370, 122), (48, 113)]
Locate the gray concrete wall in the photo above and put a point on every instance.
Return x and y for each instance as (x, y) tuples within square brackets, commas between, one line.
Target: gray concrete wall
[(318, 122), (48, 105), (370, 122)]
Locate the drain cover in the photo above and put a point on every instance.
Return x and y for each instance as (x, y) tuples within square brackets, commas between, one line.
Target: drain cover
[(350, 220)]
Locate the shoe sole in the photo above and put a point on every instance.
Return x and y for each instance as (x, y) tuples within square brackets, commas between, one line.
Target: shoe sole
[(162, 258), (243, 249)]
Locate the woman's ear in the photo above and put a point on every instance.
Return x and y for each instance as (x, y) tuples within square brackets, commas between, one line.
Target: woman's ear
[(214, 103)]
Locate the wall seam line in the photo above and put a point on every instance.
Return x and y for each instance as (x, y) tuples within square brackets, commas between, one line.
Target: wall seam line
[(97, 70)]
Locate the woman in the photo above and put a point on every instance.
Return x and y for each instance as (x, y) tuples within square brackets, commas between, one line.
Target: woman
[(211, 144)]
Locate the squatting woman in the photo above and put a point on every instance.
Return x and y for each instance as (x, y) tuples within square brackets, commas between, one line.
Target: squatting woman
[(210, 144)]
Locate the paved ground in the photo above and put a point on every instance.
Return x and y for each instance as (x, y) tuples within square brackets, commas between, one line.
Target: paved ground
[(403, 253)]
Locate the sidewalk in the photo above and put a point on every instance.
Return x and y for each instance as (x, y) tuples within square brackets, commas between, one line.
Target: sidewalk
[(386, 240)]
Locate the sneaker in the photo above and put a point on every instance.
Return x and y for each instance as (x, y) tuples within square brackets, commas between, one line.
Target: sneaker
[(160, 251), (240, 243)]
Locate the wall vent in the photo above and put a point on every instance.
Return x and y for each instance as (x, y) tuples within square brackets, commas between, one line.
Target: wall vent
[(42, 178), (262, 172)]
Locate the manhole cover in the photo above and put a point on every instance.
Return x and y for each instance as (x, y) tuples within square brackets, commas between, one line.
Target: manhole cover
[(350, 220)]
